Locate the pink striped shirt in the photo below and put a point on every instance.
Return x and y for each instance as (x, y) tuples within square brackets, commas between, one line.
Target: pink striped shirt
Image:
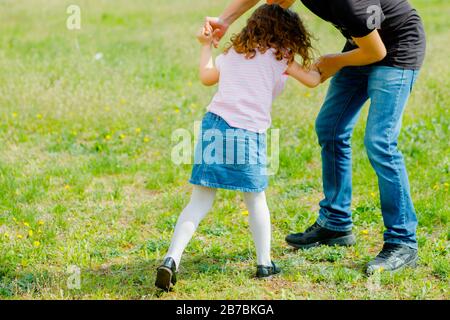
[(247, 88)]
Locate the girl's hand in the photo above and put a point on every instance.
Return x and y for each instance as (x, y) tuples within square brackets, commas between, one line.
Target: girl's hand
[(219, 28), (205, 35)]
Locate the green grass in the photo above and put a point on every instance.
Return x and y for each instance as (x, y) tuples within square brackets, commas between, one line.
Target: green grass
[(85, 163)]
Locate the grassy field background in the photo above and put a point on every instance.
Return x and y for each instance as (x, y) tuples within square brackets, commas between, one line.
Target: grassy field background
[(86, 178)]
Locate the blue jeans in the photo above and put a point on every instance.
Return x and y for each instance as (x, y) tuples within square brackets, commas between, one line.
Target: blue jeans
[(388, 89)]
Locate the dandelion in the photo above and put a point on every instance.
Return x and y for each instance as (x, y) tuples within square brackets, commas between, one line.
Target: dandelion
[(39, 231), (108, 137), (365, 232), (122, 136), (137, 130), (308, 94), (245, 212), (189, 84), (74, 133), (436, 187), (36, 244), (30, 233), (39, 116), (40, 222), (14, 114), (98, 56), (14, 219), (6, 235), (26, 224), (177, 110), (373, 194), (67, 187), (146, 139), (19, 236)]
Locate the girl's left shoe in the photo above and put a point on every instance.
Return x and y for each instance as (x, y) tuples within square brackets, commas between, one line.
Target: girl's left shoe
[(267, 271), (166, 275)]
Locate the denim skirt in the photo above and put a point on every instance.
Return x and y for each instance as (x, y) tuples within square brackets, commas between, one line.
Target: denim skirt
[(229, 158)]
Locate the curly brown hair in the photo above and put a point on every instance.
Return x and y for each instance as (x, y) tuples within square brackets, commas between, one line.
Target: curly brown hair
[(272, 27)]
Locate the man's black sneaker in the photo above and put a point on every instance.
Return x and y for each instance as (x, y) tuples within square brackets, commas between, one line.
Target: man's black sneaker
[(267, 271), (393, 257), (166, 275), (316, 235)]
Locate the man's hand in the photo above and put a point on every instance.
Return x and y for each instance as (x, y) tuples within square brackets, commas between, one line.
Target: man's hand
[(283, 3), (218, 27), (328, 66)]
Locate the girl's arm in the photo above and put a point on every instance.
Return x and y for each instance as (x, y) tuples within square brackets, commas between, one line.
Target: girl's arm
[(310, 78), (209, 75)]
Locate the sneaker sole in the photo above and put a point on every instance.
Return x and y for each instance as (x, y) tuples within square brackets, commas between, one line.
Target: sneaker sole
[(164, 278), (410, 264), (345, 241)]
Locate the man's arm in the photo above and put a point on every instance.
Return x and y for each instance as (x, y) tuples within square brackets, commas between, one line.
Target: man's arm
[(236, 9), (370, 49)]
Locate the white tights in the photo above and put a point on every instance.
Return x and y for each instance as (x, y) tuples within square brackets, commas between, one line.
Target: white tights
[(201, 202)]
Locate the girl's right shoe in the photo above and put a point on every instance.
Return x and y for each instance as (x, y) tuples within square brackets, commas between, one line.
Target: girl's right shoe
[(267, 271), (166, 275)]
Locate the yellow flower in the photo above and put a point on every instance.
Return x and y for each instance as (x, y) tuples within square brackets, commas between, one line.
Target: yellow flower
[(146, 139), (365, 232), (14, 114), (67, 187), (26, 224), (123, 101), (14, 219), (39, 116), (308, 94), (40, 222), (177, 110), (245, 212), (436, 187), (373, 194), (138, 130), (19, 236), (6, 235), (39, 230), (189, 84), (107, 137), (30, 233), (107, 108), (36, 244), (74, 133), (381, 269), (122, 136)]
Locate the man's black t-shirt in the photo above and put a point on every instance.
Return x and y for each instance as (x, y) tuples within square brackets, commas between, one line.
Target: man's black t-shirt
[(399, 25)]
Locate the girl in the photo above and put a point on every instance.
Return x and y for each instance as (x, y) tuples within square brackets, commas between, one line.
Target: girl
[(251, 73)]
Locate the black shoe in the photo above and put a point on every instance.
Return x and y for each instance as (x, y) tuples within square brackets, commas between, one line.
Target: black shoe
[(266, 271), (316, 235), (166, 276), (393, 257)]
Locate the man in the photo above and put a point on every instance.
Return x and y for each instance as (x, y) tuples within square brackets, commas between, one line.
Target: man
[(384, 51)]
